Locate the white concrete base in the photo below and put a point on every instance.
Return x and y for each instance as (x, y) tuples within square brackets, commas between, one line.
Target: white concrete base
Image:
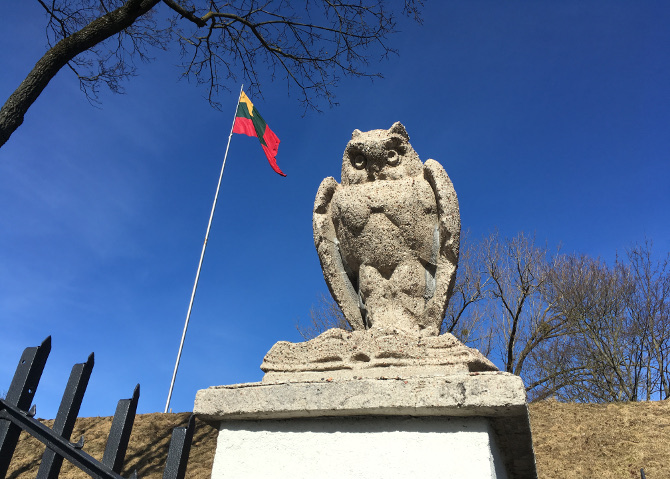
[(363, 447)]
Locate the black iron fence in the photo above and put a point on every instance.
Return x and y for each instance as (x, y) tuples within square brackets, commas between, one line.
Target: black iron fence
[(17, 413)]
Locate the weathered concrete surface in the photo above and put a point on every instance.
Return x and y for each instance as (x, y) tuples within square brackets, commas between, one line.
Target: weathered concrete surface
[(388, 236), (476, 394), (362, 447), (339, 354)]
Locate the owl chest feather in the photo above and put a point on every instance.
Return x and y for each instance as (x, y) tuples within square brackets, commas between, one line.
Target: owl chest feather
[(385, 222)]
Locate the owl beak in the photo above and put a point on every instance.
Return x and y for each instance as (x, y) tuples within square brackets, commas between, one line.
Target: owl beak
[(374, 171), (375, 167), (376, 162)]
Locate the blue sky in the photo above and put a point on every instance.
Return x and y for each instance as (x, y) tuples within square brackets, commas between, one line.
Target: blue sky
[(550, 117)]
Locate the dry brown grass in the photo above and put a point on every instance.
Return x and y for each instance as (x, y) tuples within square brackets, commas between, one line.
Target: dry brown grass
[(603, 441)]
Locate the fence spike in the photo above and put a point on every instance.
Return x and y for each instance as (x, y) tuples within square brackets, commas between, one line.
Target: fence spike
[(21, 393), (67, 415), (119, 434), (180, 446)]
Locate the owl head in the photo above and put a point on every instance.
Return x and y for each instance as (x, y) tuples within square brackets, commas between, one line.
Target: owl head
[(379, 155)]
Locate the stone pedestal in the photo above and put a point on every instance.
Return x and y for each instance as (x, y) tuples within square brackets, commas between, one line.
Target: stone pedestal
[(463, 425)]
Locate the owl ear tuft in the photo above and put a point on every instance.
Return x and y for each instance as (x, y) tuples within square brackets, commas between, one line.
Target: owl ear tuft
[(355, 133), (399, 129)]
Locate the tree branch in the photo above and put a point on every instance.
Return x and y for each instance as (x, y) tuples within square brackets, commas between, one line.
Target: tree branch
[(14, 110), (188, 15)]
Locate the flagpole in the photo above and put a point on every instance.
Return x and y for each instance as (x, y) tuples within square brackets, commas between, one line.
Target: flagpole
[(202, 255)]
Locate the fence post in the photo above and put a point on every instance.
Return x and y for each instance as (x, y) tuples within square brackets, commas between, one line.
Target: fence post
[(66, 416), (180, 446), (21, 393), (119, 434)]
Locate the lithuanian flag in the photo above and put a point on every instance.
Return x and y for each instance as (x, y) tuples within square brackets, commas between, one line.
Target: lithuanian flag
[(249, 122)]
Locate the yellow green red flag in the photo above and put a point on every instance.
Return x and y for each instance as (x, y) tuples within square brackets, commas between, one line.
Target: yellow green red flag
[(249, 122)]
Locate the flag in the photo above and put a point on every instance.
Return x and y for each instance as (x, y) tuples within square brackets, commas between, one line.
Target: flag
[(249, 122)]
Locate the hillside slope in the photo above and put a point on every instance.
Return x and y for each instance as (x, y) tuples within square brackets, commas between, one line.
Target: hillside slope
[(604, 441)]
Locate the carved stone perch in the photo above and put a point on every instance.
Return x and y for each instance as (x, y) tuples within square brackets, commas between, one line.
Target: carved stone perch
[(342, 355)]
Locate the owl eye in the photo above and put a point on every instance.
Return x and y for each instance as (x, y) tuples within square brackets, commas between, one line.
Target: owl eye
[(359, 162), (393, 158)]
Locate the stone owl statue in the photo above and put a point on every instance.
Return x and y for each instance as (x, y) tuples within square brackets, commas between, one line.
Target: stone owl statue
[(388, 236)]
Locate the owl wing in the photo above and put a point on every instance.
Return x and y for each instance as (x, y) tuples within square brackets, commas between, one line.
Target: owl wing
[(447, 237), (340, 281)]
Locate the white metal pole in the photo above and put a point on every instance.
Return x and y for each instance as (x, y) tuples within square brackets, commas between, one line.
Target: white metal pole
[(202, 255)]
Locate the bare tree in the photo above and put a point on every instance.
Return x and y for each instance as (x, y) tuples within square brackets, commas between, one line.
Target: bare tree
[(468, 289), (648, 306), (604, 342), (592, 300), (618, 344), (524, 301), (326, 314), (467, 312), (309, 44)]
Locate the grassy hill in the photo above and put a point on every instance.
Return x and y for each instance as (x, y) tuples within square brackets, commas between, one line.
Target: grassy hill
[(604, 441)]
